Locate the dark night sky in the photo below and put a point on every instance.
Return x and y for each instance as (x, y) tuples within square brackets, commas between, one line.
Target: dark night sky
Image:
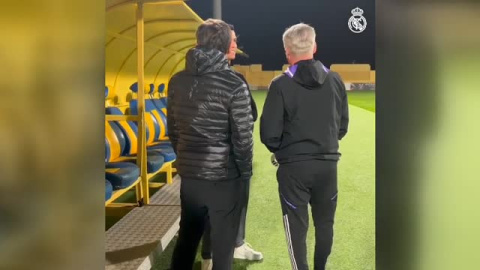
[(261, 23)]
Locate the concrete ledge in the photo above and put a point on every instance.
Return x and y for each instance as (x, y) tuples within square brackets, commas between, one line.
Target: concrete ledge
[(145, 232)]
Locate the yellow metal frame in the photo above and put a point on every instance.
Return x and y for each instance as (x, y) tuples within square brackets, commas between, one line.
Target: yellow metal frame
[(142, 184), (110, 117), (142, 144)]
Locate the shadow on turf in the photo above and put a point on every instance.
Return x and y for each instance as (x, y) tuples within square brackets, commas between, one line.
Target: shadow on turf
[(242, 264), (237, 265), (162, 262)]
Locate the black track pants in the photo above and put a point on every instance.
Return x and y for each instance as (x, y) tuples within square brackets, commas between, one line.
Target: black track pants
[(222, 203), (240, 239), (301, 183)]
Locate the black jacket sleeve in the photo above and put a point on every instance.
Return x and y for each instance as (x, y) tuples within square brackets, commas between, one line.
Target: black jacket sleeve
[(241, 126), (344, 111), (172, 131), (253, 104), (254, 107), (271, 121)]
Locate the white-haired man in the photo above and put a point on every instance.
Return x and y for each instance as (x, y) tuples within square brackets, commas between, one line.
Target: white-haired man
[(304, 116)]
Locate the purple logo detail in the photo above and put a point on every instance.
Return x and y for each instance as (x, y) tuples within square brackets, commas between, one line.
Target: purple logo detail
[(326, 69), (291, 70), (287, 202)]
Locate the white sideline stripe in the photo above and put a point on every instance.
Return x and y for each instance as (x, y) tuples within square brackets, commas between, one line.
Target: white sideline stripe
[(289, 238), (289, 243)]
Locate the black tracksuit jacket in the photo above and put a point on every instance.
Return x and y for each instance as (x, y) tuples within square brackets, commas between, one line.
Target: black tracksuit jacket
[(305, 113)]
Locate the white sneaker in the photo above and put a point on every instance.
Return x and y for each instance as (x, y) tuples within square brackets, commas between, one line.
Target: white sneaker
[(246, 252), (207, 264)]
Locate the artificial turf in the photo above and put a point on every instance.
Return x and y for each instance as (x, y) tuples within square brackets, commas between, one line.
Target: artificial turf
[(354, 240), (364, 99)]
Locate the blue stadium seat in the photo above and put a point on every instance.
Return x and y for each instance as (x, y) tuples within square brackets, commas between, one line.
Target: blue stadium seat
[(157, 116), (156, 122), (166, 150), (108, 190), (158, 128), (120, 174), (163, 101), (127, 132)]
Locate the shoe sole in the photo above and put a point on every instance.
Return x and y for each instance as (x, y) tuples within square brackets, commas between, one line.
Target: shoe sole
[(249, 259)]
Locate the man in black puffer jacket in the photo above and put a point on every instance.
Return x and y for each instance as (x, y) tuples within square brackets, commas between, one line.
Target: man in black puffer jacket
[(304, 116), (210, 125), (243, 250)]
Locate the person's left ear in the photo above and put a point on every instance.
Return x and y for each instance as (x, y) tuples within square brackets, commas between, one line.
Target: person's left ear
[(287, 53), (314, 48)]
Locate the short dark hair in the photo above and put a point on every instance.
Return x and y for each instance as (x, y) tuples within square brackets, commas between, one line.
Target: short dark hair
[(215, 34)]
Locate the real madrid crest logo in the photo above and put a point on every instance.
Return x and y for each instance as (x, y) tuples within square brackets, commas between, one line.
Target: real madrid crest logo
[(357, 23)]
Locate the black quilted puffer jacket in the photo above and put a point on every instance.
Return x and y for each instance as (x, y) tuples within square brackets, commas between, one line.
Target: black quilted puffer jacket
[(210, 119)]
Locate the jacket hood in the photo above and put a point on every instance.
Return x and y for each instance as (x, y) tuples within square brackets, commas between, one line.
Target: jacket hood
[(201, 60), (309, 73)]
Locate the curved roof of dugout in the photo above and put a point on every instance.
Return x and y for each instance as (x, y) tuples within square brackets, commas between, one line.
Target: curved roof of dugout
[(169, 32)]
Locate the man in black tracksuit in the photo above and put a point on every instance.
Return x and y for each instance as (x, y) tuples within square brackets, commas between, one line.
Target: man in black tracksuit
[(210, 125), (304, 116)]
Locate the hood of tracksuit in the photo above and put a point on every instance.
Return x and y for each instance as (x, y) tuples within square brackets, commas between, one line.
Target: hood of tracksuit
[(202, 60), (311, 73)]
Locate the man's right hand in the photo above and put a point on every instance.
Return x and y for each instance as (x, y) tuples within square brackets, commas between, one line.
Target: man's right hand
[(274, 160)]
